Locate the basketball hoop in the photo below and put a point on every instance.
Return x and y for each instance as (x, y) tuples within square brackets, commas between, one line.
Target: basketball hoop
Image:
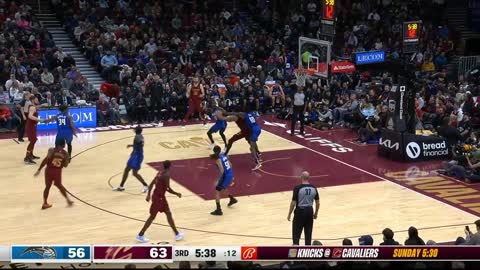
[(301, 74)]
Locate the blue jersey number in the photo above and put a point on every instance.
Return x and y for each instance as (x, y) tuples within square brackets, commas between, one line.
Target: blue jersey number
[(226, 164), (252, 119), (62, 121)]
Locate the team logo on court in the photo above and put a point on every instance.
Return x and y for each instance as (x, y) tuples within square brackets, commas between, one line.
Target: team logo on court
[(43, 252), (292, 253), (249, 253), (413, 150)]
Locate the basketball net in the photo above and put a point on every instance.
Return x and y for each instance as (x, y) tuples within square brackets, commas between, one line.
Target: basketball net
[(301, 74)]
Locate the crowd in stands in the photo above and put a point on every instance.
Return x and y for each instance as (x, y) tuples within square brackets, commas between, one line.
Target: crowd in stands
[(148, 52)]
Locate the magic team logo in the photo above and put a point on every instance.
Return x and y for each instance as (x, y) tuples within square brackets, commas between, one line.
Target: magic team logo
[(42, 252)]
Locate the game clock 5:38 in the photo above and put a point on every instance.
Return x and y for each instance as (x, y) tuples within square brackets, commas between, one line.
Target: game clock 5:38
[(205, 253)]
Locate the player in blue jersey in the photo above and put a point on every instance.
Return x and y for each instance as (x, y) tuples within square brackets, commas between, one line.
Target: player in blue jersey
[(65, 128), (135, 161), (219, 126), (225, 180), (255, 131)]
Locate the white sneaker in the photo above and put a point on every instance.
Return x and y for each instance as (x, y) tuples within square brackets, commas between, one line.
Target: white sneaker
[(208, 117), (119, 189), (259, 165), (211, 146), (142, 239), (179, 236), (145, 189), (205, 126), (183, 126)]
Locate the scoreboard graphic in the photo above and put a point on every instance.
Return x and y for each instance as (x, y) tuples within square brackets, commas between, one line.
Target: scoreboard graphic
[(159, 254)]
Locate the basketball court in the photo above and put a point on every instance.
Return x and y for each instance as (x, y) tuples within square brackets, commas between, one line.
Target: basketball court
[(360, 192)]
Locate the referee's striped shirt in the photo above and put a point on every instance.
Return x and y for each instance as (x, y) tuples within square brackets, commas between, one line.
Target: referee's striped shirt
[(305, 195)]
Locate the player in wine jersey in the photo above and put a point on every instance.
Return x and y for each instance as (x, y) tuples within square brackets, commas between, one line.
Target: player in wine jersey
[(135, 161), (159, 202), (31, 130), (195, 94), (219, 126), (255, 131), (244, 133), (57, 159), (224, 181)]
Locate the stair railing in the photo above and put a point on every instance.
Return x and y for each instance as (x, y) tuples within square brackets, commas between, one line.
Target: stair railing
[(466, 63)]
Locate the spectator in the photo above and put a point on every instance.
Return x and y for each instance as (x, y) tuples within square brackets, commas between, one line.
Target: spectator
[(63, 99), (473, 238), (4, 96), (108, 62), (104, 112), (388, 238), (413, 238), (47, 77), (365, 240), (6, 118)]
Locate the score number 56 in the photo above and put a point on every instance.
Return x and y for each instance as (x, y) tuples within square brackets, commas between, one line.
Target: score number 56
[(158, 253), (76, 253)]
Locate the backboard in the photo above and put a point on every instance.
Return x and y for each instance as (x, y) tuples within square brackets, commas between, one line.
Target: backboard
[(314, 54)]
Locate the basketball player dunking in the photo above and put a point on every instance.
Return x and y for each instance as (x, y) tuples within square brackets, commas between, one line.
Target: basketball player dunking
[(219, 126), (195, 94), (31, 130), (135, 161), (57, 159), (159, 202), (224, 181)]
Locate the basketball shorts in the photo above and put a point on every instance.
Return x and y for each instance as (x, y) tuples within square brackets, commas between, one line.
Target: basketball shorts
[(224, 182), (135, 162), (66, 137), (218, 127), (53, 176), (159, 205), (255, 134)]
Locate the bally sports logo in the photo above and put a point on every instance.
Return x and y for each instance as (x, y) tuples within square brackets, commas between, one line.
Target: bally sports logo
[(249, 253)]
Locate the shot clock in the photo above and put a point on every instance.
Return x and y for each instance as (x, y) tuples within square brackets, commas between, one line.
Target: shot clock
[(219, 253), (328, 18), (411, 35)]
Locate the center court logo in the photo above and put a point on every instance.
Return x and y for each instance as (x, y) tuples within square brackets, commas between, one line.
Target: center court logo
[(249, 253), (413, 150)]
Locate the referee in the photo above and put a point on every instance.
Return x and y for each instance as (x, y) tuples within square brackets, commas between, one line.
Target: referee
[(299, 108), (302, 201)]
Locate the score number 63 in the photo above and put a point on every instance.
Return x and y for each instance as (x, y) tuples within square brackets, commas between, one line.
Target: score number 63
[(160, 253)]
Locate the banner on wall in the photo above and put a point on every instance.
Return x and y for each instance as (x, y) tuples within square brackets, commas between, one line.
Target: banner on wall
[(342, 67), (83, 117)]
